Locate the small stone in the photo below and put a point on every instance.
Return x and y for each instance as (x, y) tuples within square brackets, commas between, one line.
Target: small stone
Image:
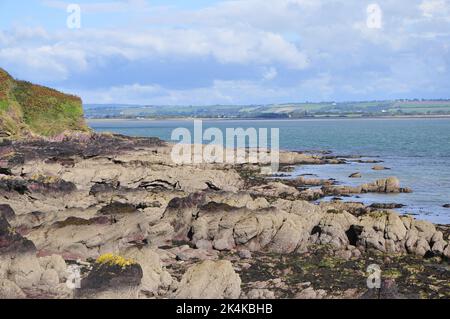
[(310, 293), (356, 253), (245, 266), (260, 294), (245, 254), (344, 254), (287, 271), (203, 244)]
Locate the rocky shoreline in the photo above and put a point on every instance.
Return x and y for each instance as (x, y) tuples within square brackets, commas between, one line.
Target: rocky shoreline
[(133, 224)]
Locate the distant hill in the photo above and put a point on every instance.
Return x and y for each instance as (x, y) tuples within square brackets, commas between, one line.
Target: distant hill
[(291, 110), (29, 109)]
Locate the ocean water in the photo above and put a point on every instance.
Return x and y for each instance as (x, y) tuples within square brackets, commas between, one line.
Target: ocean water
[(416, 150)]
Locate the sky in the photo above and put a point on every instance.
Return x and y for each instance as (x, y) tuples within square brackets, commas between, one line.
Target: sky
[(204, 52)]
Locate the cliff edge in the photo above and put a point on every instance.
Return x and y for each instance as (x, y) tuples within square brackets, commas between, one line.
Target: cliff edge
[(27, 109)]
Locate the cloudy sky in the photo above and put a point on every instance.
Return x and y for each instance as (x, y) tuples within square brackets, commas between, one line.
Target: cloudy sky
[(230, 52)]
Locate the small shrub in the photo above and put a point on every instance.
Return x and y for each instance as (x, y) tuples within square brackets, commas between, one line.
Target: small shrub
[(114, 260)]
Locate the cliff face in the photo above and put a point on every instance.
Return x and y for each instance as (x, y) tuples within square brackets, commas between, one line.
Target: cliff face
[(29, 109)]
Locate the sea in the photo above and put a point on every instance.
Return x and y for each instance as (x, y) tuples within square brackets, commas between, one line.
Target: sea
[(417, 151)]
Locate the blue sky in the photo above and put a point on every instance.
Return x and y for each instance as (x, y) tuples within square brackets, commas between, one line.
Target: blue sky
[(231, 52)]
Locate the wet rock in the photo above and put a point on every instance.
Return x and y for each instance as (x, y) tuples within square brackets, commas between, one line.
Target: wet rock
[(10, 185), (12, 242), (386, 206), (354, 208), (287, 169), (446, 252), (50, 185), (210, 280), (302, 181), (355, 175), (367, 161), (76, 221), (7, 212), (76, 145), (385, 185), (102, 187), (380, 168), (5, 171), (117, 208), (311, 194), (446, 206), (388, 290)]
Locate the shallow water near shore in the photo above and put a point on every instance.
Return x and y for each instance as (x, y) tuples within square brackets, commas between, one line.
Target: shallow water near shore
[(417, 151)]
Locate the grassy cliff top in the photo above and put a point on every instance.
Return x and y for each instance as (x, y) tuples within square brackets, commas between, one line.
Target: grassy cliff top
[(29, 109)]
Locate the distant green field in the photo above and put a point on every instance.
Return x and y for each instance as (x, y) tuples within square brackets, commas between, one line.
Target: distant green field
[(286, 110)]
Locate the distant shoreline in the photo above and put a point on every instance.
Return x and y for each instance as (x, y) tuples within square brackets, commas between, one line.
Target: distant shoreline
[(270, 119)]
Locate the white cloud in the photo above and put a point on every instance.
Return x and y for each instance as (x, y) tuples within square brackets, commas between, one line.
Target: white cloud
[(66, 51), (315, 49), (270, 74), (435, 8), (49, 62)]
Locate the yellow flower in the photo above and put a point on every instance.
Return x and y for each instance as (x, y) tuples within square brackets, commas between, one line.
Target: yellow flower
[(111, 259)]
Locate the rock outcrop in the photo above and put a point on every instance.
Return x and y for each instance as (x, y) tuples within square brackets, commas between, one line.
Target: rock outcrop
[(184, 231), (385, 185)]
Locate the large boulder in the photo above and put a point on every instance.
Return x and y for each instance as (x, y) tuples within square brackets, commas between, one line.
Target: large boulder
[(210, 280), (389, 232), (112, 277), (155, 279), (271, 229), (333, 229)]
